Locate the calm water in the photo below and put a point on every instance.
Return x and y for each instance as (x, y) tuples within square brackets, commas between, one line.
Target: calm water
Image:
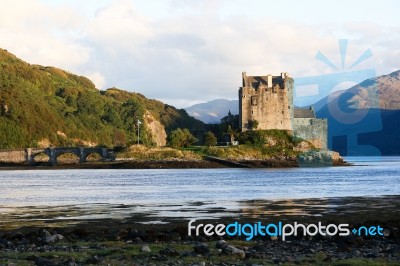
[(370, 177), (152, 190)]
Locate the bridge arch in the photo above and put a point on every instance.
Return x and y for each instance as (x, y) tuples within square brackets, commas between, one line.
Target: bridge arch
[(57, 152), (68, 157), (82, 153), (93, 157), (40, 157)]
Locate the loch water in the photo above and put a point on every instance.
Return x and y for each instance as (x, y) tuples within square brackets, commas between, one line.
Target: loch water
[(165, 191)]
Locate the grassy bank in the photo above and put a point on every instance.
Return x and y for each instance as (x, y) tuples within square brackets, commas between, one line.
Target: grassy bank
[(140, 152), (255, 145)]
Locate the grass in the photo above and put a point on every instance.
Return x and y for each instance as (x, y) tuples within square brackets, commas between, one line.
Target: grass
[(364, 262), (118, 252), (140, 152), (239, 152), (255, 145), (250, 152), (198, 150)]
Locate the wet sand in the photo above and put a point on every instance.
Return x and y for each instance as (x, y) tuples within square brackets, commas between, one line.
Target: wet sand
[(123, 230)]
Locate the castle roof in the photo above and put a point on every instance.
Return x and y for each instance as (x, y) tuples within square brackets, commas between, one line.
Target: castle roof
[(304, 113), (257, 81)]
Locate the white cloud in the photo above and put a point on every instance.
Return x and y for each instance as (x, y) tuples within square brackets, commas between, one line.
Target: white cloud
[(42, 35), (193, 55), (98, 79)]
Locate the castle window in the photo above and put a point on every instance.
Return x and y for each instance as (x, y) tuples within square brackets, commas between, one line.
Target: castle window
[(288, 107), (282, 112), (254, 100)]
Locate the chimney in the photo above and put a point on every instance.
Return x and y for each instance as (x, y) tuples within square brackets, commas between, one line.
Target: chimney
[(269, 81), (244, 79)]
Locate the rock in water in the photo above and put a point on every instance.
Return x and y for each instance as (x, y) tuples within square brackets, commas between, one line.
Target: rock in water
[(235, 252), (48, 238), (221, 244), (145, 248), (53, 238), (201, 248)]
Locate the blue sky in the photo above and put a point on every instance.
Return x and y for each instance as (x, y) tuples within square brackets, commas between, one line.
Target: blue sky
[(189, 51)]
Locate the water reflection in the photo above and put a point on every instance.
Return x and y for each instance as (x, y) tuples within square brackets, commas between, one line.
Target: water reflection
[(255, 210), (153, 196)]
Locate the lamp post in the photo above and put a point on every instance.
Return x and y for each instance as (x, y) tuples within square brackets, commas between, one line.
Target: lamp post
[(138, 130)]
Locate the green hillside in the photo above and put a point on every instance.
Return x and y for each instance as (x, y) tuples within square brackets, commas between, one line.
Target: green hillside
[(42, 106)]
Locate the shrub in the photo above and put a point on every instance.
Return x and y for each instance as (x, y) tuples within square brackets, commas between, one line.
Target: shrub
[(253, 124), (273, 137), (210, 139), (181, 138)]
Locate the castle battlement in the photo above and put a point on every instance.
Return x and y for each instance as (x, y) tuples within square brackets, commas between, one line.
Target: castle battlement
[(267, 100)]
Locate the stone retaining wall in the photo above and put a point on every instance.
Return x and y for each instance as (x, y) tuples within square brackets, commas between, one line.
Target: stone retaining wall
[(12, 156)]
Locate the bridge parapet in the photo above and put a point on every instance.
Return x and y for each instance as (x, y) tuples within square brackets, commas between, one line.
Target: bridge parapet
[(81, 152)]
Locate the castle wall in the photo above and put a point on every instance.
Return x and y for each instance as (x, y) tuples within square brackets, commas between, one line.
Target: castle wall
[(268, 100), (312, 129)]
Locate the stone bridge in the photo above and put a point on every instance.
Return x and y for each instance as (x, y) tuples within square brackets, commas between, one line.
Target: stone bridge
[(82, 153)]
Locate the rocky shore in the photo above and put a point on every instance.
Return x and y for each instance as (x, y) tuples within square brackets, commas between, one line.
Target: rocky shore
[(311, 160), (140, 240), (173, 248)]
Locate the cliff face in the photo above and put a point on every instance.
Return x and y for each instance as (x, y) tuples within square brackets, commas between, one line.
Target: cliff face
[(156, 129), (50, 106)]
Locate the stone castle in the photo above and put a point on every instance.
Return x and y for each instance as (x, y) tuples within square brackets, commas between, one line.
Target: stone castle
[(267, 103)]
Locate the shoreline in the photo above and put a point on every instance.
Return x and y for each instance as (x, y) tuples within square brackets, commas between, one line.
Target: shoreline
[(142, 238), (165, 164)]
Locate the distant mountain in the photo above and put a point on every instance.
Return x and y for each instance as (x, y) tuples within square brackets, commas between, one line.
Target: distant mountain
[(381, 92), (321, 103), (44, 106), (363, 120), (211, 112)]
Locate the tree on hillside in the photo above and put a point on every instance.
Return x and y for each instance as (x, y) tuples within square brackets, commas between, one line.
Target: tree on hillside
[(210, 139), (181, 138), (119, 138), (49, 105)]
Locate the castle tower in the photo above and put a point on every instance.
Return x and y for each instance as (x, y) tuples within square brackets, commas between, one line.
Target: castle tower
[(267, 100)]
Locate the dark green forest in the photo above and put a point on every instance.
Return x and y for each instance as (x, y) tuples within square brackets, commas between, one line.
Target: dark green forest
[(39, 103)]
